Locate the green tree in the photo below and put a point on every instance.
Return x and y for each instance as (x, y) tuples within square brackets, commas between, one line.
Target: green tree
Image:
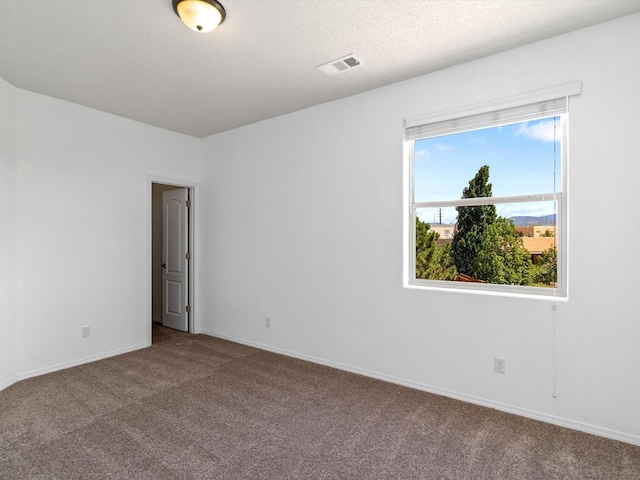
[(472, 223), (546, 268), (433, 262), (502, 258)]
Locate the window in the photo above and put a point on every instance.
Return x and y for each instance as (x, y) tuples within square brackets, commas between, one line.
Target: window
[(487, 196)]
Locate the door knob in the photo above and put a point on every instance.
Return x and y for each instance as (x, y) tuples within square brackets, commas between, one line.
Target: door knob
[(164, 265)]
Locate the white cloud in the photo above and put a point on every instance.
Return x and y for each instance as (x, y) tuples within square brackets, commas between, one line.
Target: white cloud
[(444, 148), (541, 131), (423, 153)]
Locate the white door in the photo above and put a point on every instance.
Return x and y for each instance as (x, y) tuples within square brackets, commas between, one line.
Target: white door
[(175, 262)]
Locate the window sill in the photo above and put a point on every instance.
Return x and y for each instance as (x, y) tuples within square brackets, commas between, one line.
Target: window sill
[(529, 293)]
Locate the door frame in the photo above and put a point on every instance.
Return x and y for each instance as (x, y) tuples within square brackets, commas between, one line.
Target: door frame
[(194, 215)]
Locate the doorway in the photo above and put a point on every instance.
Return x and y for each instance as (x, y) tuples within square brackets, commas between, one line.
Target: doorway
[(171, 251)]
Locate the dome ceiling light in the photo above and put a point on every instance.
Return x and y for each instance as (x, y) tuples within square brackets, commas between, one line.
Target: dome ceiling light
[(200, 15)]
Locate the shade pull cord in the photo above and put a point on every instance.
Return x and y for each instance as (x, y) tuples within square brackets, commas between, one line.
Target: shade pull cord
[(555, 349)]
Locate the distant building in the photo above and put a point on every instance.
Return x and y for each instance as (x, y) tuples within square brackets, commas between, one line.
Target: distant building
[(537, 239), (536, 231), (445, 230), (537, 245), (461, 277), (534, 238)]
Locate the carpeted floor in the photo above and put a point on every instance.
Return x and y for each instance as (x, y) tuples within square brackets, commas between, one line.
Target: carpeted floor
[(196, 407)]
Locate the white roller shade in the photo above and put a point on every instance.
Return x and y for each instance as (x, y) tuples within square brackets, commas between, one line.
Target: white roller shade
[(546, 103)]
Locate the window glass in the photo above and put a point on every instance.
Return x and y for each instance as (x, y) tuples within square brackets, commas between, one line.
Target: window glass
[(487, 207), (520, 157)]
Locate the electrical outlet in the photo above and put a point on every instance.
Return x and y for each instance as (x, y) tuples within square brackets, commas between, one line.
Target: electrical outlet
[(499, 365), (267, 322), (85, 332)]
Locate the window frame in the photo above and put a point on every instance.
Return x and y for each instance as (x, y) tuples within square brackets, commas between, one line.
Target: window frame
[(485, 112)]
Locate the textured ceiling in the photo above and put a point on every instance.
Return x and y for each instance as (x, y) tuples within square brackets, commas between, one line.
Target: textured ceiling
[(136, 59)]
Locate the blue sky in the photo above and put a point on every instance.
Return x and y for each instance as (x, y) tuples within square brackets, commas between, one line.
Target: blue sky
[(520, 158)]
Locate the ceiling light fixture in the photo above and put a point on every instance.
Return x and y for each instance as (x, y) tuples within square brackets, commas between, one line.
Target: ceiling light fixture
[(200, 15)]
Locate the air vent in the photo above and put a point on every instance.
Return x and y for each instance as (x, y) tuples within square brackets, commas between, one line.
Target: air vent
[(340, 65)]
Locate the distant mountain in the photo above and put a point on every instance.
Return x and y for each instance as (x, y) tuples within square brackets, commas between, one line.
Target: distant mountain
[(525, 221)]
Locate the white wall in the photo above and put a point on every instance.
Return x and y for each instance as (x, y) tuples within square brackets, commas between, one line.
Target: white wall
[(304, 224), (84, 200), (8, 265)]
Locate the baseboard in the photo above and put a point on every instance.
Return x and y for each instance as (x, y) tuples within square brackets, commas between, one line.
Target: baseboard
[(8, 383), (523, 412), (75, 363)]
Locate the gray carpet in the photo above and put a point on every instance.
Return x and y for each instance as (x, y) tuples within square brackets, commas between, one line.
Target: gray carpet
[(193, 406)]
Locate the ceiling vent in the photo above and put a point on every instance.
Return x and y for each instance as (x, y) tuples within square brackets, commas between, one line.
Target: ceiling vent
[(340, 65)]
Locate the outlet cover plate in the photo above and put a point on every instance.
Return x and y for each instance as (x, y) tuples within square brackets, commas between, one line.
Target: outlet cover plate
[(499, 365)]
